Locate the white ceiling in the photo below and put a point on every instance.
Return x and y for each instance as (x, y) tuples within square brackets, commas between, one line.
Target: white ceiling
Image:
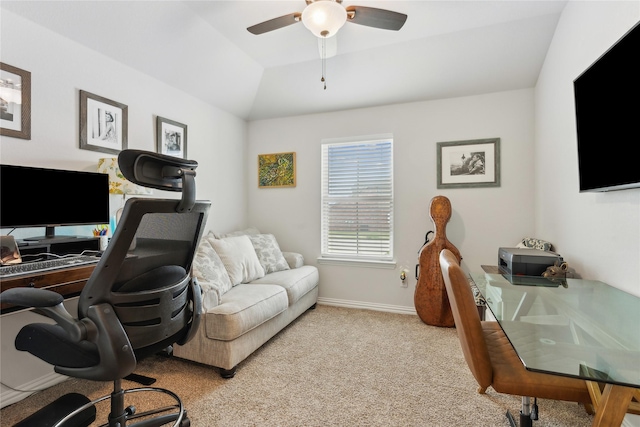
[(446, 49)]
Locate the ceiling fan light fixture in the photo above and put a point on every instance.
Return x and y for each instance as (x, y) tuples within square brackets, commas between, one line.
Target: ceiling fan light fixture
[(324, 17)]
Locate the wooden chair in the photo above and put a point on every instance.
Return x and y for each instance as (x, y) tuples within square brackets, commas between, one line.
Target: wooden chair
[(492, 359)]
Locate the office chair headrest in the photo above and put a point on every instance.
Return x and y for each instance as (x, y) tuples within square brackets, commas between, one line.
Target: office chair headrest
[(162, 172)]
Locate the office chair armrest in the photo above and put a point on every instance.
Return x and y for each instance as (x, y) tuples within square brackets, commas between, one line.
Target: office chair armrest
[(46, 303), (117, 359), (31, 297)]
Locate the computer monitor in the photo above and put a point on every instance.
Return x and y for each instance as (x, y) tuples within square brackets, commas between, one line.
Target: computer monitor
[(39, 197)]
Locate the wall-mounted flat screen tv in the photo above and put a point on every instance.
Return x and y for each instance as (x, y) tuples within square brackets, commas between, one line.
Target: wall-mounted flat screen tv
[(607, 107)]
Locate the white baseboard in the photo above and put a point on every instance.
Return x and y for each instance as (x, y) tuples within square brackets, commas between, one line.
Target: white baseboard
[(367, 305), (8, 396)]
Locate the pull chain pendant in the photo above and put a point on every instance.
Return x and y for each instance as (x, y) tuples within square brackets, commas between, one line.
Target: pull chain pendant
[(324, 60)]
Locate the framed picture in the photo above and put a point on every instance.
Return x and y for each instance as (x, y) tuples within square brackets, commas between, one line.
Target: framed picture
[(171, 137), (467, 164), (15, 102), (277, 170), (103, 124)]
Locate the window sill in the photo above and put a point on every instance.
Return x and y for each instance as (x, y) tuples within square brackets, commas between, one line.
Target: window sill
[(349, 262)]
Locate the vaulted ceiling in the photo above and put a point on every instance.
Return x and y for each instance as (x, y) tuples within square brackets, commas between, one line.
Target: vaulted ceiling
[(446, 49)]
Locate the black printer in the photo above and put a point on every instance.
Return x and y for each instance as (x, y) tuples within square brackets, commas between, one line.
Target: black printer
[(526, 261)]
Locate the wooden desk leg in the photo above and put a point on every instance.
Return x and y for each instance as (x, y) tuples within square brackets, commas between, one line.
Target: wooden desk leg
[(596, 394), (613, 405)]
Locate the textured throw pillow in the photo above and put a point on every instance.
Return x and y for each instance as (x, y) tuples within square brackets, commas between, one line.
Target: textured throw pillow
[(211, 274), (245, 232), (294, 259), (239, 259), (269, 253)]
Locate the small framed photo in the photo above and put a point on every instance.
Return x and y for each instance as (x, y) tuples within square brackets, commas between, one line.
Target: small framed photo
[(103, 124), (171, 138), (15, 102), (277, 170), (468, 164)]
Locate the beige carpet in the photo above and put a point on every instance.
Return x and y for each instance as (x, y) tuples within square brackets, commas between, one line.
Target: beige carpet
[(334, 367)]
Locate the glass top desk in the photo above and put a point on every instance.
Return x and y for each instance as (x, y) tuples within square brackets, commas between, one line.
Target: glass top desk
[(579, 328)]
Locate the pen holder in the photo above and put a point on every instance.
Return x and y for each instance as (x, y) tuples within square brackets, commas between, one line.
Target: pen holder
[(104, 241)]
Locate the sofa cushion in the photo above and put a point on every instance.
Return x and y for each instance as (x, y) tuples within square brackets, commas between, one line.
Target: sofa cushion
[(211, 274), (269, 253), (297, 281), (244, 308), (245, 232), (294, 259), (239, 259)]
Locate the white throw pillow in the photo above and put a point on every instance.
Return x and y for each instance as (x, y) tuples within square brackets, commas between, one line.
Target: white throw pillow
[(269, 253), (239, 259)]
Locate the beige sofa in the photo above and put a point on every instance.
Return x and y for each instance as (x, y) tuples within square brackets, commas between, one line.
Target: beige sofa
[(251, 291)]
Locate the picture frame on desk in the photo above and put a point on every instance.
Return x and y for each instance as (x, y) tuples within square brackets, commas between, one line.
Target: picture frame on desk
[(103, 124), (469, 164), (15, 102)]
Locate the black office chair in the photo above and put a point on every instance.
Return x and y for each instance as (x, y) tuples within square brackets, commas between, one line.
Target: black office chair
[(140, 299)]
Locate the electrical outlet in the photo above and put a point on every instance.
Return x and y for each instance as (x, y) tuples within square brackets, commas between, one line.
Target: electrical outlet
[(404, 276)]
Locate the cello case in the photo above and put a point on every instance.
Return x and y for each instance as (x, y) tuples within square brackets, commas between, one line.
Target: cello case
[(430, 298)]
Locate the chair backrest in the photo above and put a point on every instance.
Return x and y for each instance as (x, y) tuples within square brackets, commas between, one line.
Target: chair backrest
[(467, 319), (145, 272)]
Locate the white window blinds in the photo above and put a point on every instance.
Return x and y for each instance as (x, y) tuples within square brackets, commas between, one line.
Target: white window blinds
[(357, 200)]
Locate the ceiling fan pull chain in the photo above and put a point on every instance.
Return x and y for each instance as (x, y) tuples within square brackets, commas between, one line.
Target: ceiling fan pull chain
[(324, 61)]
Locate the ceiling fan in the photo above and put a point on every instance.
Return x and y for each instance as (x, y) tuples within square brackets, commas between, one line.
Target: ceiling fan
[(325, 17)]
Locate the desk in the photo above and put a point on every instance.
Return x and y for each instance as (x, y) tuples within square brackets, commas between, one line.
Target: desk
[(595, 334), (66, 281), (19, 369)]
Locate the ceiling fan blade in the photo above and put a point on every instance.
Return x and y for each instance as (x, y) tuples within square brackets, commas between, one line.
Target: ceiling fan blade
[(377, 18), (275, 23)]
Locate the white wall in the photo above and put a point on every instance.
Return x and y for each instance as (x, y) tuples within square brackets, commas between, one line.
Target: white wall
[(483, 218), (59, 69), (597, 233)]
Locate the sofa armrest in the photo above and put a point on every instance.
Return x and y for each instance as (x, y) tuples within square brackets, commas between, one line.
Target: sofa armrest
[(295, 260), (210, 295)]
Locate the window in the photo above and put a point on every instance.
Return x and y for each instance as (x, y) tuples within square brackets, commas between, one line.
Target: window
[(357, 200)]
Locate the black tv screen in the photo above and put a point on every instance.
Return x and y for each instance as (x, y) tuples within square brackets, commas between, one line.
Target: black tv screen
[(607, 107), (37, 197)]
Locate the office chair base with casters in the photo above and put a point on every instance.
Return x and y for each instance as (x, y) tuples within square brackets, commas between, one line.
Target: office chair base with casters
[(120, 416), (51, 414), (75, 410), (528, 413)]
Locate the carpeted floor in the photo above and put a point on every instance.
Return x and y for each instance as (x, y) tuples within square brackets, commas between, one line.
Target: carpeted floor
[(333, 367)]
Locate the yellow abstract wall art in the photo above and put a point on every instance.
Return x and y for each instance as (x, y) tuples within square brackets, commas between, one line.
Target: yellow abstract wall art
[(277, 170)]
